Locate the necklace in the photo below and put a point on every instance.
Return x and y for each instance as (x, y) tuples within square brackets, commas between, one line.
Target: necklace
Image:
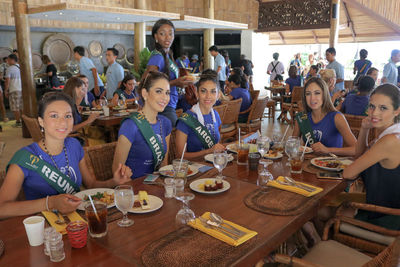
[(161, 131), (52, 159)]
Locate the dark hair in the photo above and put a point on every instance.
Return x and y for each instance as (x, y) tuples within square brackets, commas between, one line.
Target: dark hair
[(208, 75), (213, 48), (240, 72), (236, 79), (51, 97), (185, 54), (314, 67), (209, 72), (15, 51), (13, 57), (372, 69), (149, 80), (393, 93), (363, 53), (275, 55), (80, 50), (327, 105), (81, 76), (331, 50), (113, 50), (293, 71), (366, 84), (158, 47), (127, 78), (45, 59), (5, 58), (71, 85)]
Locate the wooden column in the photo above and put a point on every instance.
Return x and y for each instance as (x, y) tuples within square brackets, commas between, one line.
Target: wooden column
[(334, 30), (23, 33), (139, 35), (208, 35)]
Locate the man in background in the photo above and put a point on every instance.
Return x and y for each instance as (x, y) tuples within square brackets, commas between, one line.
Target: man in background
[(115, 72), (390, 70), (219, 66), (276, 68), (247, 67), (330, 54), (13, 88)]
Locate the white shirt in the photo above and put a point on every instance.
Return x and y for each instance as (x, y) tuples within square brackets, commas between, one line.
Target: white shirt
[(279, 69), (13, 72)]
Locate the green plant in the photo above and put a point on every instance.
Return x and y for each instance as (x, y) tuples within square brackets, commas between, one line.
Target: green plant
[(144, 58)]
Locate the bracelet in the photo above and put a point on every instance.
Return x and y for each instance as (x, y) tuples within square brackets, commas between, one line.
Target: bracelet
[(47, 203)]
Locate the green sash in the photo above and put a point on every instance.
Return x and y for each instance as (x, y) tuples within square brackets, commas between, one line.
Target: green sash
[(56, 179), (172, 66), (201, 131), (305, 127), (150, 137)]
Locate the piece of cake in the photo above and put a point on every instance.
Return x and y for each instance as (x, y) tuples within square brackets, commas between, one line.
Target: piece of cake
[(144, 200)]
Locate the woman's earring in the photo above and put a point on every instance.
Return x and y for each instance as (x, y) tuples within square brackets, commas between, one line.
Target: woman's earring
[(156, 41), (42, 129)]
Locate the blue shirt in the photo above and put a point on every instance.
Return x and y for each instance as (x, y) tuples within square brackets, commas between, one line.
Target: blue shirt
[(355, 104), (140, 157), (90, 98), (77, 116), (195, 66), (121, 93), (182, 63), (325, 131), (158, 61), (244, 94), (193, 142), (390, 72), (35, 186), (219, 61), (85, 67), (339, 69), (293, 82), (183, 104), (114, 75), (359, 64)]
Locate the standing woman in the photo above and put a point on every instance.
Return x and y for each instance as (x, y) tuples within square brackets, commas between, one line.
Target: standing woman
[(53, 169), (379, 164), (161, 60), (199, 127), (126, 90), (51, 72), (327, 128), (144, 137)]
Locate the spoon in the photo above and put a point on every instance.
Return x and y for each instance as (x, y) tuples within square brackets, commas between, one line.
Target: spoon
[(58, 221), (293, 182), (206, 224), (218, 219)]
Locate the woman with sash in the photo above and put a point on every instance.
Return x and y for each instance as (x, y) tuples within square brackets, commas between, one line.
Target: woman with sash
[(199, 126), (144, 137), (378, 164), (53, 169), (326, 128), (161, 60), (126, 90)]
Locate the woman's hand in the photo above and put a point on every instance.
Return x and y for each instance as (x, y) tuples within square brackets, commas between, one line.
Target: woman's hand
[(64, 203), (320, 148), (93, 117), (366, 123), (122, 174)]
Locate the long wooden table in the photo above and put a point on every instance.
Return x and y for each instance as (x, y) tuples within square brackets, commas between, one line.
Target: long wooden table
[(124, 246)]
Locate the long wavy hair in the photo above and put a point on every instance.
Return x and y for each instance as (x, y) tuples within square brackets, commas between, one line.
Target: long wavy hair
[(158, 47), (327, 105)]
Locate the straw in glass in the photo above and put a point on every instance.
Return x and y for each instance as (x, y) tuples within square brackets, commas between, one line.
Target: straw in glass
[(94, 208), (305, 146), (283, 137)]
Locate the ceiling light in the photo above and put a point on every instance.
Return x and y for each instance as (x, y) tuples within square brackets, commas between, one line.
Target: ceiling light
[(118, 18), (46, 15), (60, 13)]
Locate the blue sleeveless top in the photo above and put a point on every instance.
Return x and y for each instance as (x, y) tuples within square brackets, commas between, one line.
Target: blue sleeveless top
[(325, 131)]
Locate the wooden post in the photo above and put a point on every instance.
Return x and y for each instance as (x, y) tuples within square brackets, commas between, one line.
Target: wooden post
[(334, 30), (22, 30), (208, 35), (139, 36)]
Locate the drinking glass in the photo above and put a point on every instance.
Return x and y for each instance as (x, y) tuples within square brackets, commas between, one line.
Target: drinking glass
[(242, 154), (276, 136), (124, 199), (185, 214), (292, 146), (97, 220), (264, 176), (220, 161), (263, 145), (180, 169)]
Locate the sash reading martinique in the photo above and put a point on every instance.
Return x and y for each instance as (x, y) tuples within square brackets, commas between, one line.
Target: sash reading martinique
[(305, 127), (201, 131), (150, 137), (172, 66), (55, 178)]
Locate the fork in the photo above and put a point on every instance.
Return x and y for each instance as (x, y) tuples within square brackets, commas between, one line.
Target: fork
[(205, 224), (290, 180), (291, 184)]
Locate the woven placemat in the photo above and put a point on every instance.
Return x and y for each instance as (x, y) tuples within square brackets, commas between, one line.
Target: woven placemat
[(279, 202), (1, 247), (190, 247)]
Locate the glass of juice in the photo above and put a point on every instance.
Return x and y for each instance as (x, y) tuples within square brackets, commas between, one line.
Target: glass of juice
[(97, 222), (242, 154)]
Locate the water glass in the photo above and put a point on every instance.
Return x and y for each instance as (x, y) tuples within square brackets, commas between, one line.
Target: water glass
[(180, 169), (124, 199), (263, 145), (292, 147), (264, 176), (254, 159), (220, 161), (169, 186), (179, 186), (185, 214)]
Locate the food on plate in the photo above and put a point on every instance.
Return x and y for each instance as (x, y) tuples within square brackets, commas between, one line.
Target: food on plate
[(172, 173), (271, 154), (211, 185), (144, 200), (308, 149), (331, 163), (136, 204), (104, 197)]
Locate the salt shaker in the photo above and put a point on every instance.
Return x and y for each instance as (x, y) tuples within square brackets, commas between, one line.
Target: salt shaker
[(46, 238), (56, 247)]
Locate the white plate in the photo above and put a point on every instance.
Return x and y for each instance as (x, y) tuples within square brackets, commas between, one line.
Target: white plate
[(155, 204), (308, 150), (232, 148), (195, 186), (93, 191), (343, 161), (210, 158), (169, 169), (87, 113), (278, 156)]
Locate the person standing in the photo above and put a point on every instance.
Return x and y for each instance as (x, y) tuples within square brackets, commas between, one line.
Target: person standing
[(275, 68), (362, 65), (330, 54), (115, 72), (183, 61), (13, 88), (3, 68), (51, 72), (390, 70), (247, 67), (219, 66), (195, 64), (87, 68), (296, 61)]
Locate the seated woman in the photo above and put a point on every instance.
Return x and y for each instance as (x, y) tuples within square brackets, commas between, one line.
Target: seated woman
[(379, 164), (56, 157), (144, 137), (88, 100), (203, 117), (357, 104), (126, 90), (293, 80), (75, 89), (235, 92), (327, 128)]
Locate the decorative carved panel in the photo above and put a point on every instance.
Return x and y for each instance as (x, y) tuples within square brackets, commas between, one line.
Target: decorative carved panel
[(294, 15)]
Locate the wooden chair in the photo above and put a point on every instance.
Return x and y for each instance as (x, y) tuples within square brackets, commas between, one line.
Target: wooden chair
[(21, 194), (354, 122), (99, 160), (254, 95), (221, 109), (172, 146), (230, 123), (294, 106), (255, 116), (33, 127), (271, 109)]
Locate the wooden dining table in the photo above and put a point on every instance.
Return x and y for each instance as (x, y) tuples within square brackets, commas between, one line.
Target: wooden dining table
[(124, 246)]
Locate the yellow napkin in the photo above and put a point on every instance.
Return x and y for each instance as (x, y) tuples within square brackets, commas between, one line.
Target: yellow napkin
[(197, 224), (61, 228), (295, 189)]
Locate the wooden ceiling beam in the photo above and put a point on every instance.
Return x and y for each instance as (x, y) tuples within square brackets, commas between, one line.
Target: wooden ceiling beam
[(349, 21), (282, 37), (315, 37), (369, 12)]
